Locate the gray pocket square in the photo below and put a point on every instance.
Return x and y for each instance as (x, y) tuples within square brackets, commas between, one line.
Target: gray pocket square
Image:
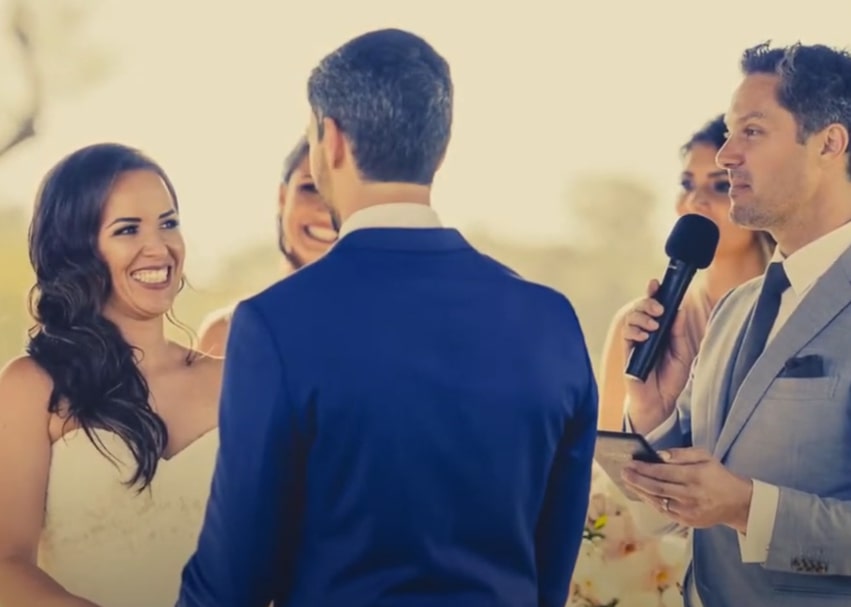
[(810, 366)]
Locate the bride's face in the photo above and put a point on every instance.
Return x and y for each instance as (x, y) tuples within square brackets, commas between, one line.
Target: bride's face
[(141, 244)]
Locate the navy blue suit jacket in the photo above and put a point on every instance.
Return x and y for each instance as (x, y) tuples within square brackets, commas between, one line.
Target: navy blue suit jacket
[(404, 422)]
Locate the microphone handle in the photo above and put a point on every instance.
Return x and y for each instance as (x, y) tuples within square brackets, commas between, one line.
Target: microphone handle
[(675, 283)]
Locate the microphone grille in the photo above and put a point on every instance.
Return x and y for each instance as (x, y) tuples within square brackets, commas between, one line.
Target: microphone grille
[(693, 240)]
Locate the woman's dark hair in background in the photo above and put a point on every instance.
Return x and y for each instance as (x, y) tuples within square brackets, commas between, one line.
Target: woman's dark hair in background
[(93, 368), (712, 133), (294, 158)]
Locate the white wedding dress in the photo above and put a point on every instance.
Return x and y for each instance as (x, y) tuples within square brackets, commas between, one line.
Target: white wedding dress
[(110, 544)]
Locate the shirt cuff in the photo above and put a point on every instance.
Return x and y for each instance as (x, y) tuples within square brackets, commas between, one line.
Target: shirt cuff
[(657, 432), (754, 544)]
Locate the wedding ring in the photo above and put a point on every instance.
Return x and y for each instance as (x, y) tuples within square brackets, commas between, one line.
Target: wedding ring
[(665, 502)]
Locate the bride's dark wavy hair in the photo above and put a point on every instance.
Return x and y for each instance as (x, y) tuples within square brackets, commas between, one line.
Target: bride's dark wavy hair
[(95, 376)]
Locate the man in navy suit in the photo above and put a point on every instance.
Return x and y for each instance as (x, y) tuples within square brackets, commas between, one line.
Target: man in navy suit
[(404, 422)]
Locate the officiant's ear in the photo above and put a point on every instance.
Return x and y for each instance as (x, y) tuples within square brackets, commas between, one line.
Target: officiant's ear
[(834, 142)]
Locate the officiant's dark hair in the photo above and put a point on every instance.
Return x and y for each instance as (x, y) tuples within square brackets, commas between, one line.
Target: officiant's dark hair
[(815, 84), (390, 93), (96, 382)]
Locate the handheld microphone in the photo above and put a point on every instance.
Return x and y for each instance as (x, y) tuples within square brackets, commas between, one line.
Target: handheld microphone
[(691, 247)]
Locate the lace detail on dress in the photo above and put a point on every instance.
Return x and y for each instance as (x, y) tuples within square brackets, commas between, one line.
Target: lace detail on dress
[(107, 542)]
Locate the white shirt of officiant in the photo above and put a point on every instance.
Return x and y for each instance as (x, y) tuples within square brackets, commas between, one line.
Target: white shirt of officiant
[(803, 268)]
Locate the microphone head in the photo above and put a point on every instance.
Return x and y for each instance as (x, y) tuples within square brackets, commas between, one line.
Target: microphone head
[(693, 240)]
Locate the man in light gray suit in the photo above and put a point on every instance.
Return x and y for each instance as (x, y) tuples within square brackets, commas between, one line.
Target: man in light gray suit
[(757, 436)]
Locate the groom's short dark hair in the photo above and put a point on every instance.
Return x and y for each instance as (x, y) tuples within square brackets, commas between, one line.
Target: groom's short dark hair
[(390, 93)]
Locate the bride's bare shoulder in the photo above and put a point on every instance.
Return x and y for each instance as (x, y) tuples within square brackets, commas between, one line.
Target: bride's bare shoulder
[(24, 372)]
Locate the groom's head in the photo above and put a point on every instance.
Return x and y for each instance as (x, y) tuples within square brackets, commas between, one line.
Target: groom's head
[(381, 115)]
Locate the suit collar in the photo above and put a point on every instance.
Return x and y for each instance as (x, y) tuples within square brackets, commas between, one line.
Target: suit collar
[(399, 226), (391, 215)]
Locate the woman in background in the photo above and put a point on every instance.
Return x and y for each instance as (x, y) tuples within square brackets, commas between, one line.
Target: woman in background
[(108, 430), (305, 233), (618, 561)]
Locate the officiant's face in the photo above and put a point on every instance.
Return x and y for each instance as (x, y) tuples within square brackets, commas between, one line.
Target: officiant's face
[(705, 191), (771, 170)]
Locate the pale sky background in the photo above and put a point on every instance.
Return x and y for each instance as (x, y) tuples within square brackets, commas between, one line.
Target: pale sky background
[(545, 90)]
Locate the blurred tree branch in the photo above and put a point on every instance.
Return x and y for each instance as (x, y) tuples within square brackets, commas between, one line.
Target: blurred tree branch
[(48, 54), (21, 27)]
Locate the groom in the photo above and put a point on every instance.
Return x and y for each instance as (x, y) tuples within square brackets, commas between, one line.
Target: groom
[(433, 446)]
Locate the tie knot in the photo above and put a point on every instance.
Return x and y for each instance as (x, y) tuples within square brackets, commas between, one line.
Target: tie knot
[(776, 280)]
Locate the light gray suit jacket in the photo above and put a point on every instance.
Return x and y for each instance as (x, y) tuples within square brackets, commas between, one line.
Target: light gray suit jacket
[(792, 432)]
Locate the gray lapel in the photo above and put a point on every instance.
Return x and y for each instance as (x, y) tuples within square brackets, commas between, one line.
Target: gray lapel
[(721, 354), (830, 294)]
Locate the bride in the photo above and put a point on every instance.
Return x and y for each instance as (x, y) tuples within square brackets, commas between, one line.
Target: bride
[(107, 429)]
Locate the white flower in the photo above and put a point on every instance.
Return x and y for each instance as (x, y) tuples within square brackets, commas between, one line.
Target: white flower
[(592, 584), (672, 597), (640, 599), (618, 563)]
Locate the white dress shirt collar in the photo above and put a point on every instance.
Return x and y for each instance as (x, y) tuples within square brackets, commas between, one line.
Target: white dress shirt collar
[(391, 215), (806, 265)]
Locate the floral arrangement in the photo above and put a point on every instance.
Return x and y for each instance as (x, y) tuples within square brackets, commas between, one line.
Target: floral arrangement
[(618, 566)]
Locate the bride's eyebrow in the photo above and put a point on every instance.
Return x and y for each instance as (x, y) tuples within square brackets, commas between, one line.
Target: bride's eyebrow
[(168, 213)]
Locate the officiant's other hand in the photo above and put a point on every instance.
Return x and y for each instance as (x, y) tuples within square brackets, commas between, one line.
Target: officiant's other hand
[(651, 402), (692, 488)]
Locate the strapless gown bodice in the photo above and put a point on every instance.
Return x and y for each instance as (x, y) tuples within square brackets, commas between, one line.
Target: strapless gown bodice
[(105, 541)]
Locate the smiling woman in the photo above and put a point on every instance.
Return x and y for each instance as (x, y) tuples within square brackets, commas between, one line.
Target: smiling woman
[(103, 399), (141, 245), (305, 229)]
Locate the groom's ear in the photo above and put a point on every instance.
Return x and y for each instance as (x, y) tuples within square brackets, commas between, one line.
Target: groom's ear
[(334, 143)]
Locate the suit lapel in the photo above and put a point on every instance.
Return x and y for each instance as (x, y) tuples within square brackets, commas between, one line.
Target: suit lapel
[(720, 374), (827, 298)]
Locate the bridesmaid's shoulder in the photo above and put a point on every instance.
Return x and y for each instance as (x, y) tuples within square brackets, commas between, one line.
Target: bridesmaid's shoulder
[(207, 364), (213, 334), (218, 320)]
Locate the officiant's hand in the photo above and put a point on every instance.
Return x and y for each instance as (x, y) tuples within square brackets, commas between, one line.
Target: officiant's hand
[(693, 489), (651, 402)]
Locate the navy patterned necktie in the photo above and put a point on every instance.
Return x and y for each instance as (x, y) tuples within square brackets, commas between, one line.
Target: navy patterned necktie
[(759, 326)]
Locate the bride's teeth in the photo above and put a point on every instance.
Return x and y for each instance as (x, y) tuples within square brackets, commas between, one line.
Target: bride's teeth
[(151, 276), (323, 234)]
